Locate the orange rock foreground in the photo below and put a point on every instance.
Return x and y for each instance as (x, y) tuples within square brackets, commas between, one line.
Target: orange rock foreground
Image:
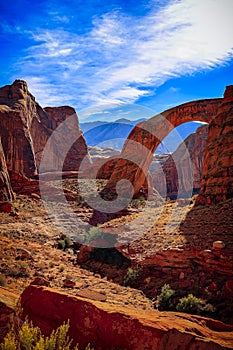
[(107, 327)]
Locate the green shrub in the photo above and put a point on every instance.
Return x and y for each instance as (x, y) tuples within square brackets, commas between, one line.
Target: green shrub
[(138, 203), (194, 305), (93, 234), (64, 242), (165, 298), (28, 337), (131, 276)]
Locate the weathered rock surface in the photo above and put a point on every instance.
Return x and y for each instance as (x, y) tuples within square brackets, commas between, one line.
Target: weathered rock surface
[(186, 163), (217, 181), (8, 302), (106, 327), (25, 129), (6, 193)]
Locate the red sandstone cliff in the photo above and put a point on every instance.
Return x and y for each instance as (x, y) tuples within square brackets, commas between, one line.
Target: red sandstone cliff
[(217, 180), (6, 193), (107, 327), (25, 127), (165, 179)]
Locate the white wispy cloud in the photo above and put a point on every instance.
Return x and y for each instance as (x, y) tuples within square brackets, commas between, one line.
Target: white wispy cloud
[(122, 57)]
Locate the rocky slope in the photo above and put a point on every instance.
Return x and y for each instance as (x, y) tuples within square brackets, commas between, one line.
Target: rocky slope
[(183, 258), (25, 128), (165, 178)]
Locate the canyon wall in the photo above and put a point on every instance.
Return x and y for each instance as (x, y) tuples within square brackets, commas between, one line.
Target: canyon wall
[(165, 178), (217, 179), (6, 193)]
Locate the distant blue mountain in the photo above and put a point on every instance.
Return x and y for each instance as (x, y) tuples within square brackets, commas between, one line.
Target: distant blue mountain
[(108, 134), (114, 134)]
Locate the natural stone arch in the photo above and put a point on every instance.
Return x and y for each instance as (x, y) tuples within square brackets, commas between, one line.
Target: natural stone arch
[(138, 150)]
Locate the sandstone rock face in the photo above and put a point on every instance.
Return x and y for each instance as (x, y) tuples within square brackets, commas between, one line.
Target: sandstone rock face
[(217, 181), (17, 109), (78, 151), (25, 129), (8, 302), (6, 193), (107, 328), (165, 179)]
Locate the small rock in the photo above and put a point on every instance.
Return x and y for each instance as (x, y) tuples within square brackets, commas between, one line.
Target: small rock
[(84, 254), (90, 294), (228, 287), (14, 214), (218, 245), (5, 207), (213, 287), (40, 281), (35, 196), (67, 283), (181, 277)]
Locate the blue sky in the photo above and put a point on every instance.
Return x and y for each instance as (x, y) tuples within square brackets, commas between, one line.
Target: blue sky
[(95, 55)]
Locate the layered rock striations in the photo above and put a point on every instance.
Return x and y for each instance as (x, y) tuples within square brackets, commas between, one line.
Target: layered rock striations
[(25, 128), (17, 110), (6, 193), (181, 173), (217, 180)]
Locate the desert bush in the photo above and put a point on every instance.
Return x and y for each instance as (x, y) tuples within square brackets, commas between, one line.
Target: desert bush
[(194, 305), (64, 243), (138, 203), (61, 268), (165, 298), (131, 276), (93, 234), (28, 337)]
